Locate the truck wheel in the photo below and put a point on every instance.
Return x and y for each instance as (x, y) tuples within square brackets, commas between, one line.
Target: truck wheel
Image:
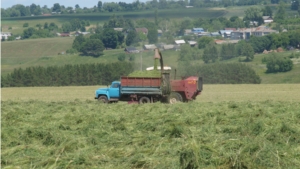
[(103, 99), (175, 97), (144, 100)]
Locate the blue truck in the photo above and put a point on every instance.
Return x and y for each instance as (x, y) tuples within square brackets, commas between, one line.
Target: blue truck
[(151, 89)]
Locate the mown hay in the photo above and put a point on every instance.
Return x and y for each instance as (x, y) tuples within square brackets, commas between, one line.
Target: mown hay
[(79, 134)]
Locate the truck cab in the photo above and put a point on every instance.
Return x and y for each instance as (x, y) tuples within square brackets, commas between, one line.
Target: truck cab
[(111, 93)]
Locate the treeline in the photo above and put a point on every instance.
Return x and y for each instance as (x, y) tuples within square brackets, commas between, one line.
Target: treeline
[(33, 9), (222, 73), (285, 40), (68, 75), (277, 63)]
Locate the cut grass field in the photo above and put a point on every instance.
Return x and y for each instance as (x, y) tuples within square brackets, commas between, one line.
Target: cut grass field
[(229, 126)]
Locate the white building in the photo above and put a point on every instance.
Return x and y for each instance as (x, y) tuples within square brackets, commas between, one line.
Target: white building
[(5, 35), (179, 42)]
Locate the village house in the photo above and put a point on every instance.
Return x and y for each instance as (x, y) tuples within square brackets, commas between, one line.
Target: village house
[(267, 19), (5, 35), (226, 33), (214, 34), (245, 33), (130, 49), (168, 47), (187, 31), (65, 34), (118, 29), (81, 33), (149, 47), (143, 30), (197, 30), (203, 34), (179, 42), (192, 43), (159, 33)]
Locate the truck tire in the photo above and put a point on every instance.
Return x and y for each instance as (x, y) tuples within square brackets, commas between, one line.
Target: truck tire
[(103, 99), (174, 98), (144, 99)]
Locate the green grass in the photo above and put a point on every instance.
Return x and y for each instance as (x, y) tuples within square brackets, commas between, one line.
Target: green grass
[(86, 134), (228, 126), (44, 52)]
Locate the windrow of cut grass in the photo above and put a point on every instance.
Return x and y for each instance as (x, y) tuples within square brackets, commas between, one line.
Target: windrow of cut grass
[(86, 134)]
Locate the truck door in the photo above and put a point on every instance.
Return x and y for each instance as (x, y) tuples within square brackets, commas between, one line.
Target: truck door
[(114, 90)]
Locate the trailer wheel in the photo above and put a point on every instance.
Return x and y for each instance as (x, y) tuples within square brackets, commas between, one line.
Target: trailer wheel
[(175, 97), (144, 99), (103, 99)]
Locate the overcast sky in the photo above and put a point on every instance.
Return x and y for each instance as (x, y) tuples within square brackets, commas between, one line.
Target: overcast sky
[(82, 3)]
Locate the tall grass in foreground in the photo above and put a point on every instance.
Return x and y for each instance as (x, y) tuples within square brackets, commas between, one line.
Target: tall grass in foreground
[(86, 134)]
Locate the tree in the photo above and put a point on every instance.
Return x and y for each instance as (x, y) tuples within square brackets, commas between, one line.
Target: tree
[(67, 27), (267, 11), (152, 35), (56, 7), (77, 6), (295, 5), (131, 38), (27, 33), (254, 14), (110, 38), (156, 17), (78, 42), (76, 24), (227, 51), (34, 9), (99, 5), (46, 25), (25, 25), (248, 51), (185, 24), (121, 38), (276, 63), (280, 15), (188, 53), (260, 44), (122, 57), (23, 10), (210, 53), (203, 41), (92, 47)]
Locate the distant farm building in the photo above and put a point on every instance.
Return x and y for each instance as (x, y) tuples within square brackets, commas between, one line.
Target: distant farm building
[(149, 47), (267, 19), (131, 50), (63, 34), (5, 35), (118, 29), (179, 42), (143, 30), (197, 30)]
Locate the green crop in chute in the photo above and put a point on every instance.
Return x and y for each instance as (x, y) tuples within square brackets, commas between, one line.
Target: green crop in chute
[(153, 73)]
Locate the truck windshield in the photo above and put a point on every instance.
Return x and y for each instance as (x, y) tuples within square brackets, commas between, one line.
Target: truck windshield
[(115, 85)]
